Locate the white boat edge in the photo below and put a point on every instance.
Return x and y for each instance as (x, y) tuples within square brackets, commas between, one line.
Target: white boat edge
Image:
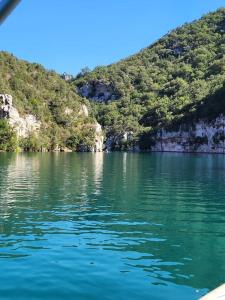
[(217, 294)]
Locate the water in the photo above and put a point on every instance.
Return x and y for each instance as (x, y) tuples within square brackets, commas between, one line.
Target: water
[(111, 226)]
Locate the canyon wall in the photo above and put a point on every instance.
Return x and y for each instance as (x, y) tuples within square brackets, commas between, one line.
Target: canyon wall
[(202, 136), (23, 125)]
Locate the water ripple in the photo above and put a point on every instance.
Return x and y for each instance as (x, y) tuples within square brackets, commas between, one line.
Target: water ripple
[(126, 226)]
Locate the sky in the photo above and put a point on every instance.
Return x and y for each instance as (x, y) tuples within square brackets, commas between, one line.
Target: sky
[(68, 35)]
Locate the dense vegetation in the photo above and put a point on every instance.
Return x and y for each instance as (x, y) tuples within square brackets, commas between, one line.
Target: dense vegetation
[(8, 139), (47, 96), (177, 79)]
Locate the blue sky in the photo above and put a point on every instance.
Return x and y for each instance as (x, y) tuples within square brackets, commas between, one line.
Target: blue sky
[(67, 35)]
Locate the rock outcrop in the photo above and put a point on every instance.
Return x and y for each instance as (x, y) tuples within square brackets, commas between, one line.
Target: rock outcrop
[(22, 125), (99, 138), (67, 77), (98, 145), (98, 90), (203, 136), (84, 111)]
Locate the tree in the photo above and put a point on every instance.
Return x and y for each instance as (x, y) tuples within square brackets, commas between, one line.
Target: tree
[(8, 139)]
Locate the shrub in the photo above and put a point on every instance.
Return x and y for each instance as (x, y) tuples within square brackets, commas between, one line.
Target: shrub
[(8, 138)]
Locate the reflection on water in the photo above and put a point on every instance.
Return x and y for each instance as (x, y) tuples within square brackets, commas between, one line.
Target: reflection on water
[(111, 226), (97, 169)]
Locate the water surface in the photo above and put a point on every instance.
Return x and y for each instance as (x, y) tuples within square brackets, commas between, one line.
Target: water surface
[(111, 226)]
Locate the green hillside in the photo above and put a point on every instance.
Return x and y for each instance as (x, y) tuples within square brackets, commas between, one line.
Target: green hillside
[(48, 97), (178, 79)]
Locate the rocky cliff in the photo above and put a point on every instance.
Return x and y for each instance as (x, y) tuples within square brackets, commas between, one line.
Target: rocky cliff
[(99, 138), (202, 136), (28, 124), (44, 103), (98, 90), (22, 125), (178, 79)]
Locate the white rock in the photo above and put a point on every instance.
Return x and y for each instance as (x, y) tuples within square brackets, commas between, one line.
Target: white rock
[(201, 137), (84, 110), (98, 91), (22, 126), (68, 111), (99, 138)]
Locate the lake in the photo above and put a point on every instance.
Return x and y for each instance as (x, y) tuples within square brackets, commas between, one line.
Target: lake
[(111, 226)]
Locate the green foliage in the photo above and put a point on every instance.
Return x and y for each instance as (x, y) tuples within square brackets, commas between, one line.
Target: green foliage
[(146, 139), (36, 142), (176, 79), (44, 94), (30, 143), (82, 137), (8, 139)]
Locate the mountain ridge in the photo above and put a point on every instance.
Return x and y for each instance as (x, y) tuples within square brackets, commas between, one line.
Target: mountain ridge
[(164, 83), (65, 118), (178, 80)]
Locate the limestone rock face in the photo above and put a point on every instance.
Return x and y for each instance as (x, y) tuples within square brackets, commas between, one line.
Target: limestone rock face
[(84, 110), (99, 138), (6, 106), (67, 77), (98, 91), (68, 111), (22, 125), (208, 137)]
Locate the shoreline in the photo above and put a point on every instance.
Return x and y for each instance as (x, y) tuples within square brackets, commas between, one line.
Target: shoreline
[(118, 151)]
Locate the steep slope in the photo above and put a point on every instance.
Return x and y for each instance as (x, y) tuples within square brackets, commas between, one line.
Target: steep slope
[(44, 109), (174, 81)]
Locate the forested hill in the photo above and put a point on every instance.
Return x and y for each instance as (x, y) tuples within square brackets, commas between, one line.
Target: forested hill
[(180, 77), (61, 112), (177, 80)]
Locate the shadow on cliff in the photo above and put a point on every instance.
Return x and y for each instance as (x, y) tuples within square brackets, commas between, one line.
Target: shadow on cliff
[(207, 109)]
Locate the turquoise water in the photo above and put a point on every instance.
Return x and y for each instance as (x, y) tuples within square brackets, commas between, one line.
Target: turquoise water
[(111, 226)]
